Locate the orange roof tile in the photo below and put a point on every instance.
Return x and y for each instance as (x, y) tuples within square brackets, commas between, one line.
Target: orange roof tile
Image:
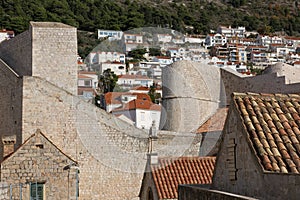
[(87, 72), (170, 172), (273, 126), (115, 97), (139, 104), (80, 76), (163, 57), (141, 88), (215, 122)]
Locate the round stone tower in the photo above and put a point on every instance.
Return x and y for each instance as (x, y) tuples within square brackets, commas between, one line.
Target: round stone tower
[(192, 92)]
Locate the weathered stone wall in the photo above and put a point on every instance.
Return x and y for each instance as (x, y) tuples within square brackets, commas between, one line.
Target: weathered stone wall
[(4, 191), (266, 83), (38, 160), (107, 157), (191, 94), (10, 104), (251, 180), (17, 53), (249, 175), (187, 192), (54, 54), (110, 152), (148, 187)]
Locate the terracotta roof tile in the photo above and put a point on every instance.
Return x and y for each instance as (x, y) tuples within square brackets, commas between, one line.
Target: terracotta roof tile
[(139, 104), (215, 122), (273, 129), (115, 97), (170, 172)]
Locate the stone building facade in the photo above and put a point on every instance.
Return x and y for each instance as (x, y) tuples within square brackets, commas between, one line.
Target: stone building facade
[(38, 91), (259, 150), (260, 158), (38, 162)]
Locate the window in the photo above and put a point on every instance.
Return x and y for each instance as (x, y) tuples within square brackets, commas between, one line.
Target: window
[(87, 83), (36, 191), (142, 116)]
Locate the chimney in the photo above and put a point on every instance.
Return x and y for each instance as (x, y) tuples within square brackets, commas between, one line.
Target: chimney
[(8, 144), (152, 158)]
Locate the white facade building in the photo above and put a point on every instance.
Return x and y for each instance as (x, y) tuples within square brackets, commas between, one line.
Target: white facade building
[(142, 112), (134, 80), (111, 34), (6, 35), (215, 39), (117, 67)]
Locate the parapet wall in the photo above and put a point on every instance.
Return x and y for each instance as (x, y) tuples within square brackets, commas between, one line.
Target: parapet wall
[(17, 53), (265, 83), (54, 54), (110, 152), (10, 104)]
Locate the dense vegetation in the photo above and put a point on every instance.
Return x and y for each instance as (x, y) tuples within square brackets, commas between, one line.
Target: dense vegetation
[(192, 16)]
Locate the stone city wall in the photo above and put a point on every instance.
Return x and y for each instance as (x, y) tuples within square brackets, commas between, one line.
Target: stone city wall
[(265, 83), (110, 152), (17, 53), (54, 54), (10, 104), (189, 88)]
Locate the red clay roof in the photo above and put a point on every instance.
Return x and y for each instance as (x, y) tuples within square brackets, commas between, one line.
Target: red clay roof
[(115, 97), (80, 76), (170, 172), (139, 104), (141, 88), (87, 72), (272, 123), (215, 122), (163, 57)]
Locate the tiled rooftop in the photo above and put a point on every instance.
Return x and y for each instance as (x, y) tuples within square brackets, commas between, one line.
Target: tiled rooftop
[(115, 97), (139, 104), (273, 123), (215, 122), (170, 172)]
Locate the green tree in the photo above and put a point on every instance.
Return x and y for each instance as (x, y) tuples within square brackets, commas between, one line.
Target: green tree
[(154, 96), (107, 81), (138, 54), (155, 52)]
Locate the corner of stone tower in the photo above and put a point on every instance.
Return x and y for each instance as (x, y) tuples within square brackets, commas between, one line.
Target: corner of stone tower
[(54, 54)]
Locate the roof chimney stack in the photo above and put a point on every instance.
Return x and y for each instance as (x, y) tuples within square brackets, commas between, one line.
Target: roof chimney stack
[(8, 145)]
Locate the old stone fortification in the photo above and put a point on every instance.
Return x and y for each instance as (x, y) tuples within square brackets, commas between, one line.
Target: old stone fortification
[(38, 160), (251, 179), (189, 88), (11, 103), (46, 50), (111, 154), (281, 78), (193, 91)]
